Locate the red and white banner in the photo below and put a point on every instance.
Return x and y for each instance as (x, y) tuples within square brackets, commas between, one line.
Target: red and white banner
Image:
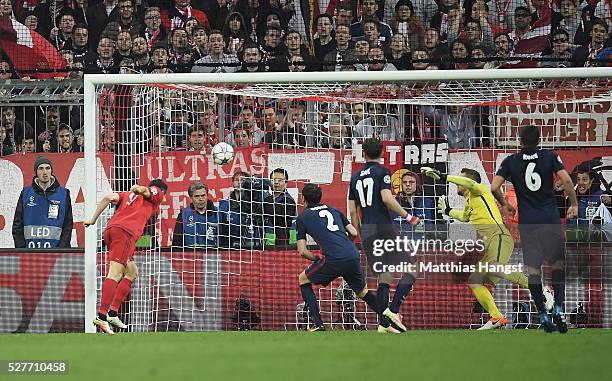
[(28, 50), (568, 118)]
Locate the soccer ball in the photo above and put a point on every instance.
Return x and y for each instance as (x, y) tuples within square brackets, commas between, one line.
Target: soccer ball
[(222, 153)]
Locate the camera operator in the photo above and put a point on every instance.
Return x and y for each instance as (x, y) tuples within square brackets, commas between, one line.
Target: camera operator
[(280, 211)]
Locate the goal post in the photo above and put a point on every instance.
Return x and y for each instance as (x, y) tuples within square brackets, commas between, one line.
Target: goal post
[(140, 108)]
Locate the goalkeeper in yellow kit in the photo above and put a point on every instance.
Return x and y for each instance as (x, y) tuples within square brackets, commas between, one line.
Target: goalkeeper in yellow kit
[(481, 210)]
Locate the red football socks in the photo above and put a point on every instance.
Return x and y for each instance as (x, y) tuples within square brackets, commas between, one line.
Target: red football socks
[(123, 289), (108, 293)]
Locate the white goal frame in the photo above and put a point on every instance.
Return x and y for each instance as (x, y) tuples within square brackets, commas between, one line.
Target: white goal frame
[(91, 80)]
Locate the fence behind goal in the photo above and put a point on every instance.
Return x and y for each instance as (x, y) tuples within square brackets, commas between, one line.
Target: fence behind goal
[(239, 268)]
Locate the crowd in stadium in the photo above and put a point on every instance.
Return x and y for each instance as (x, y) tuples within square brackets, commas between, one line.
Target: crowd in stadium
[(162, 36)]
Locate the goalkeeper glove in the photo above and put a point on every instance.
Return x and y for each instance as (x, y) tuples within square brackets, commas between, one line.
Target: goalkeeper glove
[(433, 173), (443, 205)]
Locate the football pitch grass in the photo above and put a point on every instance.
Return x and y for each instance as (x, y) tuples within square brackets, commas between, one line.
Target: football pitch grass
[(331, 355)]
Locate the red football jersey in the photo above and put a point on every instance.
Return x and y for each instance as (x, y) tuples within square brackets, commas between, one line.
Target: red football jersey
[(133, 211)]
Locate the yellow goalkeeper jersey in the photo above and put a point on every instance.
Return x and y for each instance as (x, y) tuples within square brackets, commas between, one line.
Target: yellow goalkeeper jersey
[(480, 209)]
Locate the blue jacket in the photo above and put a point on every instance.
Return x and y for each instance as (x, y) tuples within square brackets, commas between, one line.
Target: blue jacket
[(196, 229), (43, 218)]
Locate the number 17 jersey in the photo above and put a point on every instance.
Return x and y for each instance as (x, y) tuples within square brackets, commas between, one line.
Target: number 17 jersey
[(365, 188), (531, 172)]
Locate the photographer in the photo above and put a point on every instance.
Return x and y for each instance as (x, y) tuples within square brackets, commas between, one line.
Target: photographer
[(235, 216), (280, 211)]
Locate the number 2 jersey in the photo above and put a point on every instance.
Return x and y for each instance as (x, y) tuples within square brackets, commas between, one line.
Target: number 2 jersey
[(365, 188), (133, 211), (327, 226), (531, 171)]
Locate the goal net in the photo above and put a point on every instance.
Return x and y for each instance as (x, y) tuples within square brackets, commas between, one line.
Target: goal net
[(231, 263)]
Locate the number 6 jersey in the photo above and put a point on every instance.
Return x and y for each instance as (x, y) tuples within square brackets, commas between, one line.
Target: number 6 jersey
[(531, 172)]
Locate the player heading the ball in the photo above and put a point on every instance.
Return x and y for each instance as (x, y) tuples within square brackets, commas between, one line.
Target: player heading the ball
[(134, 209)]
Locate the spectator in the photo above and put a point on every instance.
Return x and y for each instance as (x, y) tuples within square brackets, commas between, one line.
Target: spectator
[(251, 59), (561, 53), (297, 64), (153, 32), (503, 48), (420, 55), (61, 36), (103, 63), (379, 124), (274, 52), (98, 16), (197, 139), (295, 47), (377, 60), (126, 18), (49, 14), (31, 22), (14, 128), (599, 40), (362, 48), (65, 140), (199, 39), (447, 20), (26, 141), (431, 43), (369, 8), (406, 22), (43, 215), (417, 204), (159, 144), (140, 53), (108, 138), (522, 25), (246, 121), (236, 223), (324, 42), (371, 32), (234, 33), (479, 33), (338, 137), (500, 13), (81, 50), (456, 123), (177, 15), (159, 58), (179, 47), (589, 194), (242, 137), (48, 138), (280, 211), (216, 61), (124, 46), (398, 54), (459, 54), (570, 20), (343, 14), (5, 148), (478, 51), (198, 223), (343, 51)]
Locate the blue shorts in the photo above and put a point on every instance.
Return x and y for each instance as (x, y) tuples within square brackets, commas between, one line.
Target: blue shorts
[(324, 272)]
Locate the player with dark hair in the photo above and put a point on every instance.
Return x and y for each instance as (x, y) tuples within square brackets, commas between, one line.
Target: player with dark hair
[(370, 189), (531, 172), (482, 212), (329, 228), (133, 210)]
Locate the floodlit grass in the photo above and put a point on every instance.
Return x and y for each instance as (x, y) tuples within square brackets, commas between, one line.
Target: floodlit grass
[(331, 355)]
